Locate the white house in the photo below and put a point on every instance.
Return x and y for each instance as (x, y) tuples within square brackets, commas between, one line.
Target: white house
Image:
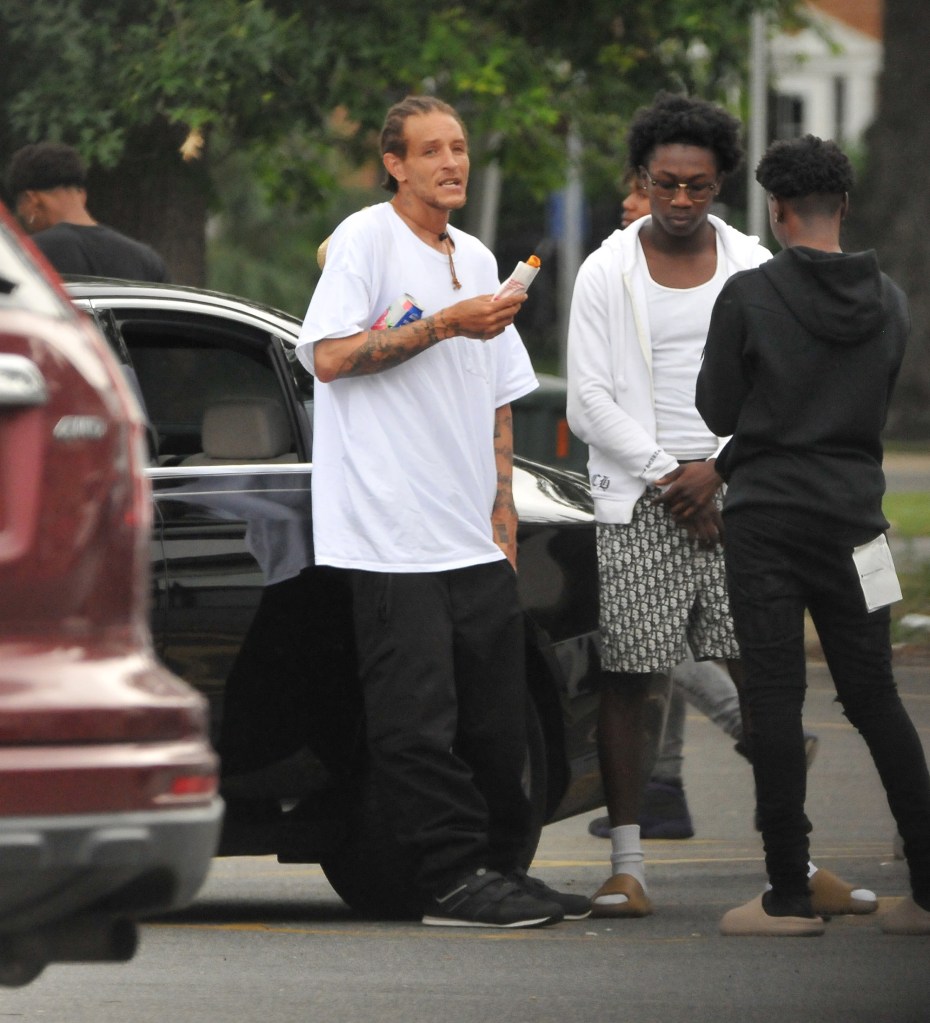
[(825, 81)]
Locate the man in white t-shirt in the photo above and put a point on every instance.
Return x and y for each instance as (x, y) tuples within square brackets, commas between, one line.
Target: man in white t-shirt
[(639, 319), (412, 470)]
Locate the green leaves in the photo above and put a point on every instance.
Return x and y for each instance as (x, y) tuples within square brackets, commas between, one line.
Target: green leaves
[(284, 77), (198, 63)]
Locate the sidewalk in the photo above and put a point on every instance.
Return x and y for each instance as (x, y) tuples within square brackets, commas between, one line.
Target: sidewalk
[(907, 471)]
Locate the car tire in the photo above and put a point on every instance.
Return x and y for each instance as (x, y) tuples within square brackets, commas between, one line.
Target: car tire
[(17, 970), (373, 875)]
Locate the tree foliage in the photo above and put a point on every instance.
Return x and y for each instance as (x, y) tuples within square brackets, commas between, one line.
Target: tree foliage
[(267, 73), (172, 99), (168, 99)]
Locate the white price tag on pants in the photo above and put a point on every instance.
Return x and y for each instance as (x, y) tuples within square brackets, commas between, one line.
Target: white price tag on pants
[(877, 574)]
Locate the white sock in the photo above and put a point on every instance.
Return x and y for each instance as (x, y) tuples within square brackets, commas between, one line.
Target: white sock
[(626, 855)]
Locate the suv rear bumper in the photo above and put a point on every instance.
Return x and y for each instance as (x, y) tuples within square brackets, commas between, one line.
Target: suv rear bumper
[(130, 864)]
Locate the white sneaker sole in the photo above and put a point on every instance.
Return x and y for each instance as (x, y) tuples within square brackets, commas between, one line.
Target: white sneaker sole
[(445, 921)]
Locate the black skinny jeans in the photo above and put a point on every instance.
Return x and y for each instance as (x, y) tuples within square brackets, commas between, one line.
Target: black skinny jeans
[(442, 665), (774, 572)]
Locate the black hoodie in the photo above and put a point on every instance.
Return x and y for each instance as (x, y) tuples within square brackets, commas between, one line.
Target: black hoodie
[(801, 360)]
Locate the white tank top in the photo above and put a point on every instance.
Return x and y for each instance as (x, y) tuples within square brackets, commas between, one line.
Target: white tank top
[(679, 319)]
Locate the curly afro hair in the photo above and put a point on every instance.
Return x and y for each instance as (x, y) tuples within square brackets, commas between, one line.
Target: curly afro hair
[(795, 168), (42, 166), (675, 119)]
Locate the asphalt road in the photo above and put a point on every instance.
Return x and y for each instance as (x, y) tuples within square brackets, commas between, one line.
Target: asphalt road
[(266, 943)]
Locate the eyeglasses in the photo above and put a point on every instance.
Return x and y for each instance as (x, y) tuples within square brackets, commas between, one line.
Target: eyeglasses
[(668, 190)]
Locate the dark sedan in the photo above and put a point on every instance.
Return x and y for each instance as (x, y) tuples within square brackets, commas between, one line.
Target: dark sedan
[(241, 612)]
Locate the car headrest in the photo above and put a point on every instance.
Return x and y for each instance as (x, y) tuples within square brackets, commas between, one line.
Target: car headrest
[(248, 429)]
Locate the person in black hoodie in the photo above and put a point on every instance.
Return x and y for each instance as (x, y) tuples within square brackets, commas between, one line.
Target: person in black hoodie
[(799, 367)]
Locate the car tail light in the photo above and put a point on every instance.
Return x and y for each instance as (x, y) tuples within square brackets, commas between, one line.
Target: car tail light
[(187, 787)]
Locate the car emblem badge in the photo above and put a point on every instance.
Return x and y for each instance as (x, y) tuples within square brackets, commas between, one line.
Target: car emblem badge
[(70, 428)]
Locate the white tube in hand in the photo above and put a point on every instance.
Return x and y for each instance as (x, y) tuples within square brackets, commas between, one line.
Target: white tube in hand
[(520, 279)]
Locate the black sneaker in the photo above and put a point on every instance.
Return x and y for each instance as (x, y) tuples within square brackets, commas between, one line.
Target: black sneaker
[(599, 827), (488, 899), (574, 907), (664, 812)]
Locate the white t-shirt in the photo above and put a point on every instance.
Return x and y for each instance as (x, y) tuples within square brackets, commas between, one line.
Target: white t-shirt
[(404, 476), (679, 319)]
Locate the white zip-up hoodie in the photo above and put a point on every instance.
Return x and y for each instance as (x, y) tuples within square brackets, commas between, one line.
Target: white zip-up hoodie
[(610, 396)]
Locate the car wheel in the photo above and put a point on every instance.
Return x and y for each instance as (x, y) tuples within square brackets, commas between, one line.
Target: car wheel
[(371, 872), (19, 970)]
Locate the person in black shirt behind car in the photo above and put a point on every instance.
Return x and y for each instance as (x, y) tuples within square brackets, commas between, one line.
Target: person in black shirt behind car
[(46, 183)]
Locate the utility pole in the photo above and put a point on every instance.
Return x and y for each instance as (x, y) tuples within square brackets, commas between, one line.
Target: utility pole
[(758, 121), (570, 242)]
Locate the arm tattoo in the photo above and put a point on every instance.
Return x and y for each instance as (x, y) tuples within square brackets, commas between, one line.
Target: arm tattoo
[(502, 534), (503, 440), (384, 349), (503, 455)]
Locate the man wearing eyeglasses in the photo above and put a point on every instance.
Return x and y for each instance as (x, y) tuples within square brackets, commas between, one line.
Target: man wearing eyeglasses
[(639, 319)]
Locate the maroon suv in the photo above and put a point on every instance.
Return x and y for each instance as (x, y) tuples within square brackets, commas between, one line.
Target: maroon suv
[(108, 784)]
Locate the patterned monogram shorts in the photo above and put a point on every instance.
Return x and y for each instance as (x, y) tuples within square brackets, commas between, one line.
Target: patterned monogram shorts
[(660, 593)]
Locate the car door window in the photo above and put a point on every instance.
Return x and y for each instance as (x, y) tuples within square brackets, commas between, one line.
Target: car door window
[(212, 397)]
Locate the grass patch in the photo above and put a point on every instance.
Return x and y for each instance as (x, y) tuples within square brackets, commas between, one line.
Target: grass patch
[(915, 588), (908, 513), (914, 578)]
